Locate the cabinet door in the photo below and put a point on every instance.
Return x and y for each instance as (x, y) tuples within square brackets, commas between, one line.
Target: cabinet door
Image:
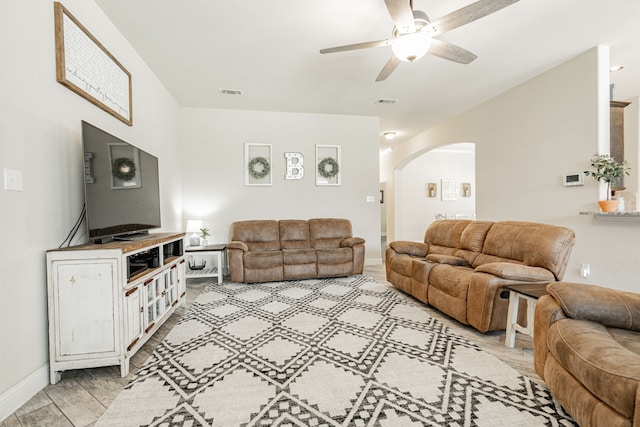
[(85, 303), (182, 279), (134, 312)]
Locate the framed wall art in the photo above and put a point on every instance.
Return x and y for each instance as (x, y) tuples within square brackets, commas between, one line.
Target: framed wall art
[(432, 189), (86, 67), (466, 189), (449, 189), (328, 166), (257, 164)]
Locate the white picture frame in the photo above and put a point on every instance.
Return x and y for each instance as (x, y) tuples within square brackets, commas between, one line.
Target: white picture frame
[(328, 159), (449, 189), (257, 157)]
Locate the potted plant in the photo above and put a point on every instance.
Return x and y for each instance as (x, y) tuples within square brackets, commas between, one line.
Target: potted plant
[(204, 232), (607, 169)]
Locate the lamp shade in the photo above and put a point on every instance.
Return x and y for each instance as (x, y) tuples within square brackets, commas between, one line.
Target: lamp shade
[(409, 47), (194, 225)]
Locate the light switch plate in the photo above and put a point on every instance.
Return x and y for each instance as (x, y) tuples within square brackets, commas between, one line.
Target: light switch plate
[(12, 180)]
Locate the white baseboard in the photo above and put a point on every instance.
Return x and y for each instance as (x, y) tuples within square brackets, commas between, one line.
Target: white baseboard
[(19, 394), (372, 261)]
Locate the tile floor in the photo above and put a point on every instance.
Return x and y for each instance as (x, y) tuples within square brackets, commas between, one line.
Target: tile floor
[(81, 397)]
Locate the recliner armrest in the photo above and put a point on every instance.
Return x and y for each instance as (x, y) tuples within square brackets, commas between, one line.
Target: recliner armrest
[(512, 271), (350, 242), (410, 248), (609, 307), (238, 245)]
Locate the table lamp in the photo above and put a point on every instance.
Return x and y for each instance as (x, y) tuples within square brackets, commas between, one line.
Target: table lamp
[(194, 226)]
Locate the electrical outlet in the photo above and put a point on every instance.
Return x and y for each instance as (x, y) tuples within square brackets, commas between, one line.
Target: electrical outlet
[(12, 180), (585, 270)]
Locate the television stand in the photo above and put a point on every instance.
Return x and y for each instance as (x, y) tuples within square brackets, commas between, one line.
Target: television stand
[(100, 312), (132, 237)]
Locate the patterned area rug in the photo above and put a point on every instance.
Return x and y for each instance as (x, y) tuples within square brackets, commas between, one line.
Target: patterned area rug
[(335, 352)]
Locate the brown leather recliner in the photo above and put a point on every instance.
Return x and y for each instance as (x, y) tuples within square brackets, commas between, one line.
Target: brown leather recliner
[(587, 349), (292, 249)]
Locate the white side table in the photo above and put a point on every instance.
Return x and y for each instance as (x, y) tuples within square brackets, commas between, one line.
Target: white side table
[(529, 293), (218, 270)]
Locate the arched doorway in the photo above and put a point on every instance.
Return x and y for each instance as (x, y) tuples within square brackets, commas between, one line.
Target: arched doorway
[(416, 206)]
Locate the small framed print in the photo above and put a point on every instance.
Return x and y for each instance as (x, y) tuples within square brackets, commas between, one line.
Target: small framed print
[(449, 189), (466, 189), (257, 164), (328, 166), (432, 189)]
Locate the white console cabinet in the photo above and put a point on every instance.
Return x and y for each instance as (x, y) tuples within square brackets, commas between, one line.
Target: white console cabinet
[(106, 300)]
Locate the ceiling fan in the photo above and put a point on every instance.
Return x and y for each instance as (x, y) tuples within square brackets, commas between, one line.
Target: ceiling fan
[(413, 33)]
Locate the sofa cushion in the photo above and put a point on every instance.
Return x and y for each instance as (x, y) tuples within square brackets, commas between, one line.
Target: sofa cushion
[(589, 352), (473, 235), (334, 256), (294, 234), (259, 235), (299, 256), (328, 232), (262, 259), (615, 308), (446, 233), (534, 244), (452, 280)]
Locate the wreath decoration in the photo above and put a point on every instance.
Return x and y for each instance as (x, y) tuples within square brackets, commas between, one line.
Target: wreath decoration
[(259, 173), (124, 169), (331, 171)]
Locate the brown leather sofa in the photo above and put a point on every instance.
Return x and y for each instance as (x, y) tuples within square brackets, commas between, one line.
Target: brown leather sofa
[(462, 266), (587, 349), (292, 249)]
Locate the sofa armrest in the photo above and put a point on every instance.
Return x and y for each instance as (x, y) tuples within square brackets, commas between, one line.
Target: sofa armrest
[(519, 272), (609, 307), (548, 311), (238, 245), (350, 242), (410, 248)]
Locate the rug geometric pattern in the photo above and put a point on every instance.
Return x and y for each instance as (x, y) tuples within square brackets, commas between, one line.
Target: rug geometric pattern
[(334, 352)]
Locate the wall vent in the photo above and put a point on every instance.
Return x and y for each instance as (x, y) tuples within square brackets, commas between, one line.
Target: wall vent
[(386, 101), (230, 91)]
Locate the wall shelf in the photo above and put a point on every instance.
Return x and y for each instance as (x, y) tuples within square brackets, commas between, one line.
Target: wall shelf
[(620, 216)]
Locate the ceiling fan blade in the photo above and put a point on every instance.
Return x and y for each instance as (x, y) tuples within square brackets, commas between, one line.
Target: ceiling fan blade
[(388, 68), (356, 46), (402, 15), (466, 15), (451, 52)]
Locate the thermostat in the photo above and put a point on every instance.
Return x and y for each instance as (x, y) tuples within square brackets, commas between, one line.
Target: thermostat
[(572, 179)]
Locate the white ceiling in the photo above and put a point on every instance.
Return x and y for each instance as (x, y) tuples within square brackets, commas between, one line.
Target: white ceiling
[(269, 50)]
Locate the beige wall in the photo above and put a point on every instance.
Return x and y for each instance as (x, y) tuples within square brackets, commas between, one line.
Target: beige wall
[(214, 170), (40, 135), (526, 139)]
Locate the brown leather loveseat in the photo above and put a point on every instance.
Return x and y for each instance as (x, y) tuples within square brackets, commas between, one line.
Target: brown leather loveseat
[(292, 249), (462, 266), (587, 349)]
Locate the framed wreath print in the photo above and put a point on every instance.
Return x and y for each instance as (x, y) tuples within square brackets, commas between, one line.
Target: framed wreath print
[(257, 164), (125, 166), (328, 167)]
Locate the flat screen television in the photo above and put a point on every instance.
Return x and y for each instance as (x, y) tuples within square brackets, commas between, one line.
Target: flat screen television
[(121, 187)]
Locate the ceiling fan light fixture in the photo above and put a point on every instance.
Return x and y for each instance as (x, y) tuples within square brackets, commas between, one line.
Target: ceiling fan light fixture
[(410, 47)]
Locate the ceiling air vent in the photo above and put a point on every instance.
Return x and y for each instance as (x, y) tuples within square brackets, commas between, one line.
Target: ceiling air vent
[(386, 101), (230, 91)]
